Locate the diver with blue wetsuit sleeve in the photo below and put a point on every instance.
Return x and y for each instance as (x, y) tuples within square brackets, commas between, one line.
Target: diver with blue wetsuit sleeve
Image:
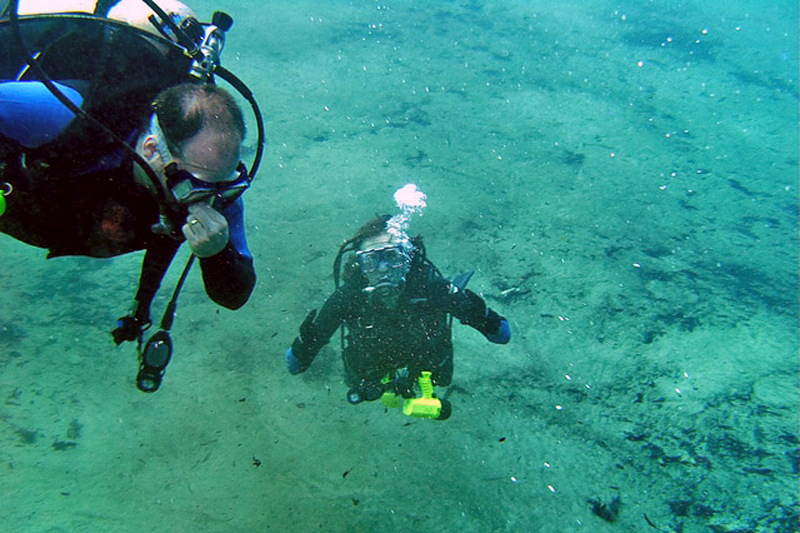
[(144, 161)]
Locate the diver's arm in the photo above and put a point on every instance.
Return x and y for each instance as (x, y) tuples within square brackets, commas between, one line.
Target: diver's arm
[(316, 331), (472, 311), (229, 276), (156, 261)]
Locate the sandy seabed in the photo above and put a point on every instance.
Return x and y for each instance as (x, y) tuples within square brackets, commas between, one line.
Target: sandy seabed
[(622, 176)]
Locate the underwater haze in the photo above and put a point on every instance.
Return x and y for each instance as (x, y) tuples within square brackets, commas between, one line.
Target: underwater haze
[(621, 175)]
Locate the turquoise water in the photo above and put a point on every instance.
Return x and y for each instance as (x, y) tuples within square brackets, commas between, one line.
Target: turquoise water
[(622, 176)]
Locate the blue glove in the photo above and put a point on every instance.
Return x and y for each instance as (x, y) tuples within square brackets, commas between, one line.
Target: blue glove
[(292, 364), (502, 335)]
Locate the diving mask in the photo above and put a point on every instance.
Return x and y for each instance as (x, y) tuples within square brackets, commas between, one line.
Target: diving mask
[(385, 269), (188, 189), (386, 258)]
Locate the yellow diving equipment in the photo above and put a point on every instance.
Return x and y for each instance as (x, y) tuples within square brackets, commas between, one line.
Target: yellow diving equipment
[(426, 406), (391, 400), (5, 190)]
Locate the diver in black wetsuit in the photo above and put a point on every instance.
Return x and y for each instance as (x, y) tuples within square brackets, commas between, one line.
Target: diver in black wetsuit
[(171, 173), (395, 306)]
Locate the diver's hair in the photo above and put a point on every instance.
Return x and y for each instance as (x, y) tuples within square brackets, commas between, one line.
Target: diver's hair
[(351, 273), (183, 110), (374, 227)]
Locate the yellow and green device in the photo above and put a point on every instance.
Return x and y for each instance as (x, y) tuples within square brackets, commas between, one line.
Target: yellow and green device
[(5, 190), (426, 406)]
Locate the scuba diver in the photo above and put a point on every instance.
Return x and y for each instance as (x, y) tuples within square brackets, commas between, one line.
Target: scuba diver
[(114, 138), (393, 306)]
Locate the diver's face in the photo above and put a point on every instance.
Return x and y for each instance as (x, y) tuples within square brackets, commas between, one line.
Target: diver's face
[(385, 264), (207, 170)]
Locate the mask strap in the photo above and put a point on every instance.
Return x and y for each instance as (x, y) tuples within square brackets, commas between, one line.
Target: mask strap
[(163, 226), (160, 140)]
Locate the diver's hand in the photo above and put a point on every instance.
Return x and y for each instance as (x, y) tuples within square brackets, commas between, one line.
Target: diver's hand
[(206, 230), (292, 364), (129, 328), (503, 333)]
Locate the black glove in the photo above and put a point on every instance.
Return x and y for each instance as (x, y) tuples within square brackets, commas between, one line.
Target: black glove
[(129, 328)]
